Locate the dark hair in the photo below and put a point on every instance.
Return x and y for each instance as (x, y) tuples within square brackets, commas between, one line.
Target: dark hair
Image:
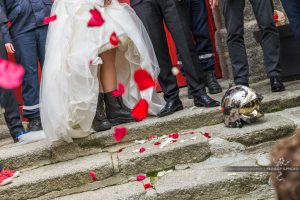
[(286, 152)]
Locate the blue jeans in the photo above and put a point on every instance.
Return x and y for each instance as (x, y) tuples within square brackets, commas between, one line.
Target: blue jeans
[(292, 8), (199, 26), (30, 48)]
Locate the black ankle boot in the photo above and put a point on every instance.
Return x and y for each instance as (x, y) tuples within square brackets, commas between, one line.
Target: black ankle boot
[(116, 111), (100, 122), (212, 83)]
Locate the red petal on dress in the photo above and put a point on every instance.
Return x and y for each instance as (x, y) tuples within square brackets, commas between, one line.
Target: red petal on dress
[(96, 19), (143, 79), (120, 133), (140, 110), (49, 19), (114, 40), (11, 74)]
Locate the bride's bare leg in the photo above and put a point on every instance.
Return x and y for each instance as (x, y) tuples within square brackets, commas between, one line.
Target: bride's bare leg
[(117, 112), (108, 74), (107, 82)]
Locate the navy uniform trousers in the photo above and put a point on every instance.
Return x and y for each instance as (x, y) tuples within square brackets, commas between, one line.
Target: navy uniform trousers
[(30, 48), (199, 25), (9, 103)]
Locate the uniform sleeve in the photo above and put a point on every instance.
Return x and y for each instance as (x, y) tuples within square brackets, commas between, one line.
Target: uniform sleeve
[(3, 23)]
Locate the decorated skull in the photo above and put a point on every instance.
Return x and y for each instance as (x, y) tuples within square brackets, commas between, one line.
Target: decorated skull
[(241, 104)]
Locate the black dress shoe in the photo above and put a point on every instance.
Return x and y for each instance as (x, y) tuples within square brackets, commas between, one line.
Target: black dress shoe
[(35, 124), (171, 107), (212, 83), (205, 101), (100, 122), (276, 84), (116, 112)]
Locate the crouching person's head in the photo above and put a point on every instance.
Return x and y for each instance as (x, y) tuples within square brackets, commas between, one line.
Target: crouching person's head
[(286, 153)]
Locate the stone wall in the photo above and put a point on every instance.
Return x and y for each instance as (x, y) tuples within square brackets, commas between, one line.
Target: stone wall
[(254, 51)]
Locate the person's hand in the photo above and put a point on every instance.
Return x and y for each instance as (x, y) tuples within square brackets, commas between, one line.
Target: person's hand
[(213, 3), (9, 48), (107, 2)]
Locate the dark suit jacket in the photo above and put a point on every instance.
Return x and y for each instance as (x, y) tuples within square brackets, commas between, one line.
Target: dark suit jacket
[(134, 2), (24, 15)]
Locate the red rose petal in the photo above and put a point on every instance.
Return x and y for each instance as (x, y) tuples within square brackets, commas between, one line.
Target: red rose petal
[(143, 79), (92, 174), (173, 141), (120, 91), (114, 40), (151, 137), (192, 132), (222, 109), (157, 143), (207, 135), (96, 19), (120, 133), (120, 150), (140, 178), (140, 110), (142, 150), (174, 135), (276, 17), (147, 186), (11, 74), (49, 19)]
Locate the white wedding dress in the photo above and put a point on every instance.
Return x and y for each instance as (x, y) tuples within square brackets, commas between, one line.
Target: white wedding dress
[(69, 87)]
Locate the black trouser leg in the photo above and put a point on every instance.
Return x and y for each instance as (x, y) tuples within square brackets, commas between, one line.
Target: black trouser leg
[(263, 11), (150, 14), (173, 15), (233, 11)]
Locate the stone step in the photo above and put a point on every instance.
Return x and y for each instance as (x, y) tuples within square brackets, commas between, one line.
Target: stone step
[(132, 191), (20, 157), (4, 132), (264, 192), (188, 148), (197, 181)]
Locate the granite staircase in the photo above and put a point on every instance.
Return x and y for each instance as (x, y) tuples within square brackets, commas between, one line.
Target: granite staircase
[(189, 168)]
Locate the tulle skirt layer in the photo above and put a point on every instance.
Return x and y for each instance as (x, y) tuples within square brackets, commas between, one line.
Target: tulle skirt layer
[(70, 86)]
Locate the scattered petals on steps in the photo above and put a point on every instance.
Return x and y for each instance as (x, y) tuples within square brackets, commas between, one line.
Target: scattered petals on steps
[(92, 174), (120, 133), (140, 178), (147, 186)]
